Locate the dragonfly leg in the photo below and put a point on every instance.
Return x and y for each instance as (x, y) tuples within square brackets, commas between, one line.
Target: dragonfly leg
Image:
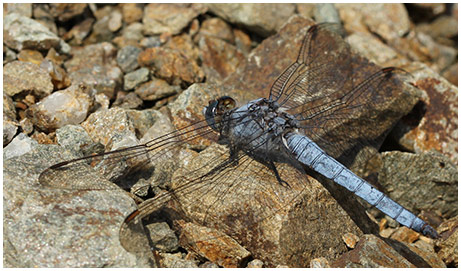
[(272, 167)]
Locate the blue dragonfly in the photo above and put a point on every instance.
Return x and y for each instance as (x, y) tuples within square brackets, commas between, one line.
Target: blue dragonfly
[(307, 123)]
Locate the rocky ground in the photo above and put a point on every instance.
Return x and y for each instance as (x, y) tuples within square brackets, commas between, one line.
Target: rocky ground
[(84, 78)]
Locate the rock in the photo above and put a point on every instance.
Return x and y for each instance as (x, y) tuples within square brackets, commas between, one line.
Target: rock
[(24, 77), (451, 74), (171, 66), (135, 78), (350, 240), (219, 58), (263, 19), (24, 9), (24, 33), (162, 237), (389, 21), (213, 245), (326, 13), (115, 21), (441, 56), (60, 225), (131, 12), (128, 100), (372, 48), (156, 89), (184, 45), (112, 128), (369, 254), (95, 65), (10, 124), (31, 56), (215, 27), (79, 32), (404, 234), (69, 106), (447, 247), (20, 145), (59, 77), (131, 36), (176, 261), (443, 26), (76, 140), (256, 263), (432, 125), (65, 12), (319, 263), (414, 181), (172, 18), (100, 31), (127, 58)]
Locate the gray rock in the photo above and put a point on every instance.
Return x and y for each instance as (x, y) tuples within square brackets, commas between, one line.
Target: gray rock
[(20, 145), (326, 13), (95, 66), (421, 181), (256, 263), (135, 78), (63, 228), (9, 131), (69, 106), (24, 9), (21, 32), (171, 18), (10, 124), (25, 77), (127, 58), (162, 237), (263, 19)]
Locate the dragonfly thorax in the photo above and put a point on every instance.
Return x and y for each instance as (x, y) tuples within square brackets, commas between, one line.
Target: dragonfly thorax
[(257, 128)]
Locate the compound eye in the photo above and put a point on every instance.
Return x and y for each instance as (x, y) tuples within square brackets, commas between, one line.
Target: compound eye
[(225, 103)]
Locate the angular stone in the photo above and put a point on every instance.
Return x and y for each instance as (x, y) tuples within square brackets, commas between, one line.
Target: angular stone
[(162, 237), (131, 12), (25, 77), (263, 19), (172, 18), (70, 106), (24, 33), (447, 247), (65, 12), (213, 245), (414, 181), (135, 78), (127, 58), (156, 89)]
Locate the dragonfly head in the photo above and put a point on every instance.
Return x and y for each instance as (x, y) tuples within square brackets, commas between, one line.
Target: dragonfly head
[(216, 109)]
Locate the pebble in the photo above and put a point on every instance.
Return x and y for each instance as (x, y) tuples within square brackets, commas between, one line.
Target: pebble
[(21, 32), (31, 56), (131, 12), (162, 237), (156, 89), (171, 18), (115, 21), (69, 106), (135, 78), (127, 58), (25, 77)]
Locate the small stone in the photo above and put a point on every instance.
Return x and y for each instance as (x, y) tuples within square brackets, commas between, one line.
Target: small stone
[(128, 100), (156, 89), (115, 21), (69, 106), (176, 261), (319, 263), (127, 58), (24, 33), (58, 75), (404, 234), (350, 239), (100, 31), (102, 100), (79, 32), (27, 126), (149, 42), (162, 237), (447, 247), (172, 18), (209, 265), (20, 145), (451, 74), (171, 66), (217, 28), (213, 245), (131, 12), (256, 263), (8, 55), (10, 129), (263, 19), (134, 78), (25, 77), (31, 56), (24, 9), (326, 13), (65, 12)]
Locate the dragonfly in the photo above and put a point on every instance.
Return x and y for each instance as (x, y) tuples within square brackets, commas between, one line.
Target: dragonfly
[(262, 150)]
